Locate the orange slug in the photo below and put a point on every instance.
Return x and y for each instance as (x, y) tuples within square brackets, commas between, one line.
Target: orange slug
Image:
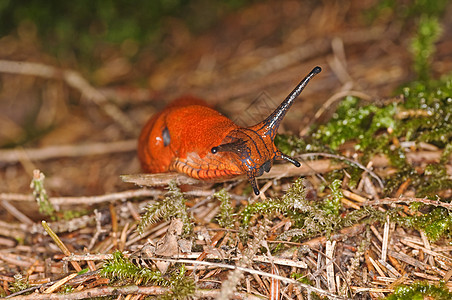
[(191, 138)]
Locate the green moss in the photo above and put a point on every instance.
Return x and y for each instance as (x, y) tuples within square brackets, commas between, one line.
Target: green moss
[(293, 201), (67, 289), (301, 277), (308, 218), (353, 122), (421, 290), (84, 29), (173, 206), (423, 114), (120, 268), (429, 111), (445, 157), (261, 208), (349, 122), (422, 45), (428, 184), (40, 194), (225, 217), (182, 286), (288, 144), (434, 179), (20, 283), (332, 204), (436, 224)]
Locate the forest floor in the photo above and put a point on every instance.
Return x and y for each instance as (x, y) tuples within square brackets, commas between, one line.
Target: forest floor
[(77, 133)]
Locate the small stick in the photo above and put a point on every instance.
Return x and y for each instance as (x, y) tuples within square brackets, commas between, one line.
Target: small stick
[(428, 251), (376, 266), (99, 230), (194, 255), (59, 283), (277, 171), (308, 288), (409, 260), (354, 196), (408, 200), (16, 213), (85, 200), (330, 266), (385, 242), (51, 152), (60, 244), (424, 238)]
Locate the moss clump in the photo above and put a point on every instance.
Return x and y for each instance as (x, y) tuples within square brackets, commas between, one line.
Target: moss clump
[(422, 45), (435, 179), (353, 123), (419, 291), (40, 194), (289, 144), (332, 204), (226, 215), (294, 199), (173, 206), (119, 268), (83, 29), (436, 224), (423, 116), (308, 218), (20, 283), (182, 286), (426, 114)]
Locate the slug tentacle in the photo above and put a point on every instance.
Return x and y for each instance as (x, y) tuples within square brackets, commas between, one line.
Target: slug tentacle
[(271, 124), (293, 161)]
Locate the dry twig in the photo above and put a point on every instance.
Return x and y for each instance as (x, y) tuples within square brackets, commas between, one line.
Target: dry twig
[(52, 152), (75, 80)]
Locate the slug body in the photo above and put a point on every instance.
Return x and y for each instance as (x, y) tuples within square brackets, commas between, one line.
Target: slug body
[(191, 138)]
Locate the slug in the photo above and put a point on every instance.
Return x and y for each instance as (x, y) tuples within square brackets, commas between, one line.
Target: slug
[(191, 138)]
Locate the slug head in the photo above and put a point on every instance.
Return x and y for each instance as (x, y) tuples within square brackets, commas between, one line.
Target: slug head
[(254, 146)]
